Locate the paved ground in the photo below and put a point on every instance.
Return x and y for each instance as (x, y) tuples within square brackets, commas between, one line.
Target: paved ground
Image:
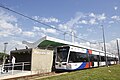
[(14, 73), (18, 73)]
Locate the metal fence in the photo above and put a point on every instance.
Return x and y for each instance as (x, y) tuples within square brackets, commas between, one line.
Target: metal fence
[(11, 67)]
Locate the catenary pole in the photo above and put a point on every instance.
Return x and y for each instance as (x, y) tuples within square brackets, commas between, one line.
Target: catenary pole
[(118, 51), (104, 44)]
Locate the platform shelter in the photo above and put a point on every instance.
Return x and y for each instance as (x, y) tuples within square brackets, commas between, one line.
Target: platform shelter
[(39, 56)]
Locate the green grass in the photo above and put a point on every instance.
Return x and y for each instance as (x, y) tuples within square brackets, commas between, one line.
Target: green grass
[(101, 73)]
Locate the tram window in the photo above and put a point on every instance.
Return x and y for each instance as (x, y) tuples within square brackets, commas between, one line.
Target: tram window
[(78, 57), (94, 57), (115, 59), (91, 57), (110, 58), (62, 54), (102, 58)]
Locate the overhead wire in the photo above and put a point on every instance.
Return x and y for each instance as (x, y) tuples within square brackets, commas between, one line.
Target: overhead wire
[(2, 6)]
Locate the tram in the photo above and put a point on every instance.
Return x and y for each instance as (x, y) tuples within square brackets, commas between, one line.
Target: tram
[(70, 58)]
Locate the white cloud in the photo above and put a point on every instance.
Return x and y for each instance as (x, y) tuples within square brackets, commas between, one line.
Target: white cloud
[(117, 18), (35, 28), (4, 34), (110, 46), (72, 24), (5, 25), (89, 30), (7, 17), (83, 36), (111, 22), (36, 17), (15, 43), (52, 26), (79, 26), (39, 31), (93, 21), (74, 20), (8, 25), (12, 44), (115, 8), (47, 20), (9, 28), (51, 19), (81, 18), (50, 30), (101, 17), (44, 30), (62, 26), (92, 15), (28, 33), (83, 22)]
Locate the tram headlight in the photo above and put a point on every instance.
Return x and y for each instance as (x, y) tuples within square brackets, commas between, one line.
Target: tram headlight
[(56, 63), (64, 64)]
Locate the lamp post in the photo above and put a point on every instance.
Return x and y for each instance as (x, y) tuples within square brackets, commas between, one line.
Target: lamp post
[(104, 44), (5, 47)]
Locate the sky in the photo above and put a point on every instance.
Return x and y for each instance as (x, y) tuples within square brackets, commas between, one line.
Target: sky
[(82, 17)]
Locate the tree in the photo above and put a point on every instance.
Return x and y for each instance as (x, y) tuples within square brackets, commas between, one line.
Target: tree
[(1, 57)]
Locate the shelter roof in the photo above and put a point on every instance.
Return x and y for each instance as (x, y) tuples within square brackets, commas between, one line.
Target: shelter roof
[(47, 41)]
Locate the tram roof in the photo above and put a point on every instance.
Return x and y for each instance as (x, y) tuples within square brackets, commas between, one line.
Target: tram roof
[(47, 41)]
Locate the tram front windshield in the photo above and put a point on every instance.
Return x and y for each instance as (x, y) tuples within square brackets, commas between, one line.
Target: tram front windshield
[(62, 54)]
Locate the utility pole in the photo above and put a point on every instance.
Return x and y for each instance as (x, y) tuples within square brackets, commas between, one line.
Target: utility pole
[(104, 45), (64, 34), (118, 51)]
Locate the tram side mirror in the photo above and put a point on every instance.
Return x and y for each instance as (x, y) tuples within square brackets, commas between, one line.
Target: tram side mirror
[(26, 47), (15, 48)]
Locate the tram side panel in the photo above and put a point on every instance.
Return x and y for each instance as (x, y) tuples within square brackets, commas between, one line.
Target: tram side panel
[(77, 59), (80, 58)]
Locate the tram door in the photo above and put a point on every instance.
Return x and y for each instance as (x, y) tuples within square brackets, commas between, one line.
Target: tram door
[(91, 57), (94, 60)]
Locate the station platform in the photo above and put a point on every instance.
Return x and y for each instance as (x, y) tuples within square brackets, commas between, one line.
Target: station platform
[(13, 74)]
